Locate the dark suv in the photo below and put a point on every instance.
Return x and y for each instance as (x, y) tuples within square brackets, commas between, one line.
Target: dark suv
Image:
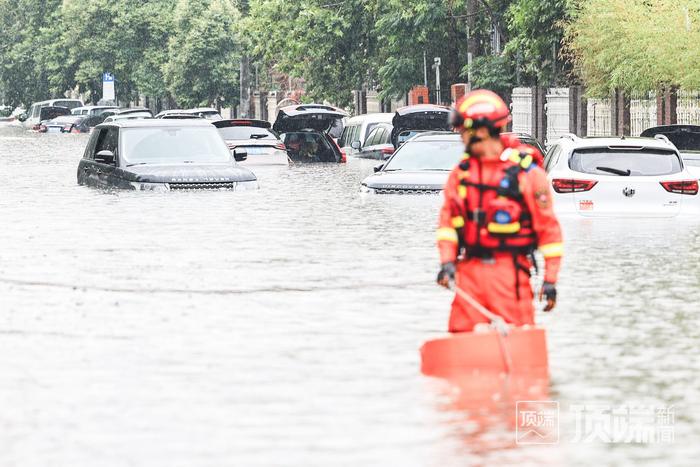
[(161, 155)]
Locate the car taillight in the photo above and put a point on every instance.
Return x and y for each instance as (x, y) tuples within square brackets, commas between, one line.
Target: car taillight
[(41, 128), (343, 156), (67, 128), (570, 185), (387, 151), (232, 146), (281, 146), (681, 187)]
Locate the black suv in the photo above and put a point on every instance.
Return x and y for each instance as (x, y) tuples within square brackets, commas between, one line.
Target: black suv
[(162, 155)]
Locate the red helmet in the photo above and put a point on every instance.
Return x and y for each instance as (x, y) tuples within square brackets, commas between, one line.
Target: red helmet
[(480, 108)]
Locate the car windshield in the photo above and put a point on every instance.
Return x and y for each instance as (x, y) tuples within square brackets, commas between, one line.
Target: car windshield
[(623, 162), (426, 155), (246, 132), (172, 145)]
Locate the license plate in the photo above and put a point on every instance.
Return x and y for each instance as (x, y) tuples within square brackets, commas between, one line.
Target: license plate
[(53, 129)]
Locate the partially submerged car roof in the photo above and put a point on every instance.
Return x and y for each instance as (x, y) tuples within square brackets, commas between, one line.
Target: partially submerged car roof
[(684, 137), (308, 116), (242, 122)]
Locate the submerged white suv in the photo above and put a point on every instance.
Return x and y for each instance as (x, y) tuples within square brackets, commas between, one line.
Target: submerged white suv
[(613, 176)]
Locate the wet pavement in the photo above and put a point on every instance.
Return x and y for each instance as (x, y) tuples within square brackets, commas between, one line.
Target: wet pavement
[(282, 327)]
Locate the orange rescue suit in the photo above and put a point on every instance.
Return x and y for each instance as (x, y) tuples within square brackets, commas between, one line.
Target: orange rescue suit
[(496, 212)]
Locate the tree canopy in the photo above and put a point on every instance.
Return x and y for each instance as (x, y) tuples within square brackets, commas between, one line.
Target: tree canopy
[(635, 45)]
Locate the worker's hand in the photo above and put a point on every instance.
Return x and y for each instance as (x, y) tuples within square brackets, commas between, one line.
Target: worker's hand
[(549, 292), (446, 274)]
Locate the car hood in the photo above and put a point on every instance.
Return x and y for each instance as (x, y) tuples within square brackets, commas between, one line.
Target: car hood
[(420, 117), (190, 173), (419, 180), (684, 137), (311, 116)]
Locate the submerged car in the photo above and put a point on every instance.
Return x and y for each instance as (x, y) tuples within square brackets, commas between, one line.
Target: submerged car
[(161, 155), (620, 177), (420, 166), (377, 145), (358, 128), (256, 138), (66, 124), (414, 119), (686, 138), (132, 113), (34, 115), (306, 129), (47, 114)]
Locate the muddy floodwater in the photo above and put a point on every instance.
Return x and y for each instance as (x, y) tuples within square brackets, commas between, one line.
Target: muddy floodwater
[(281, 327)]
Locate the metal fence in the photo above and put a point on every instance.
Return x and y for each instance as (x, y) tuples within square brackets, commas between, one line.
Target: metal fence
[(642, 112), (599, 117), (688, 108), (557, 109)]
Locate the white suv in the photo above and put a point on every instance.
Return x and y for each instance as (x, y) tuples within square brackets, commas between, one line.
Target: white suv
[(613, 176)]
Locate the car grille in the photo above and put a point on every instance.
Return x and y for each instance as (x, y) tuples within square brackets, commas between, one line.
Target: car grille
[(406, 191), (203, 186)]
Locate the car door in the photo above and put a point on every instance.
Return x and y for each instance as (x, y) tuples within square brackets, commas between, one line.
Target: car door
[(104, 173), (87, 170), (367, 150)]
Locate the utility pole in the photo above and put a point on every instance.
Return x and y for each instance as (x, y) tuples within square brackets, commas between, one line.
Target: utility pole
[(244, 83), (425, 69), (437, 64)]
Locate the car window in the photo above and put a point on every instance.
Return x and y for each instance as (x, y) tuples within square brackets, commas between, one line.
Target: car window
[(246, 132), (551, 157), (355, 136), (371, 138), (35, 110), (386, 136), (426, 155), (370, 127), (108, 140), (90, 147), (625, 161)]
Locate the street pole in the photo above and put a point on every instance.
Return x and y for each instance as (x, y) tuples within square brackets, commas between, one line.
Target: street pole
[(438, 62), (244, 82), (425, 69)]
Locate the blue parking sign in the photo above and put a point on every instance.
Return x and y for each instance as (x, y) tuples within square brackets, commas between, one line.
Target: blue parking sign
[(107, 77)]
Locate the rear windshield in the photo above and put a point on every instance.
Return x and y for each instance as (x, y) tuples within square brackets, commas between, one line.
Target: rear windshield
[(68, 119), (623, 162), (426, 155), (246, 132), (69, 104)]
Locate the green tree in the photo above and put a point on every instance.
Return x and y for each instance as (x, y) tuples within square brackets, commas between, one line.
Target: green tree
[(204, 52), (635, 45), (331, 46), (536, 30)]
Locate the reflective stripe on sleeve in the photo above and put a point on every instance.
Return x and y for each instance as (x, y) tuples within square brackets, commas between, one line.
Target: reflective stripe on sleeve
[(552, 250), (447, 234)]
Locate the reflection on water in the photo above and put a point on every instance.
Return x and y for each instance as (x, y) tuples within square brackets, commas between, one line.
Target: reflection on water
[(282, 327)]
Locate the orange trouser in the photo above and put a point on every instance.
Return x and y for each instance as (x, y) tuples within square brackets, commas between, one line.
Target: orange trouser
[(492, 283)]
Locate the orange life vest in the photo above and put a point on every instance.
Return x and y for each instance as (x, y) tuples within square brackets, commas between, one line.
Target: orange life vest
[(494, 218)]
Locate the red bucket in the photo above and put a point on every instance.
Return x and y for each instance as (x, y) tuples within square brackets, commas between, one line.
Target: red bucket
[(522, 351)]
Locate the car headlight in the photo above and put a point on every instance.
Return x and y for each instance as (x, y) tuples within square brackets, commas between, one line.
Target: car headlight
[(365, 189), (247, 186), (147, 186)]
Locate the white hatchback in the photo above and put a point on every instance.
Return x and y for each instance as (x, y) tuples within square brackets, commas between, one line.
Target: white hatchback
[(618, 177)]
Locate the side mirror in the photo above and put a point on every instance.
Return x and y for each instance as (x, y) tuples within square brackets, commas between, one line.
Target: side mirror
[(378, 168), (240, 154), (22, 117), (105, 156), (355, 145)]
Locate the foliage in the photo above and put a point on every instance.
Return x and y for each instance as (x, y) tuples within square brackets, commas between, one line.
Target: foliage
[(536, 30), (203, 57), (635, 45), (492, 72)]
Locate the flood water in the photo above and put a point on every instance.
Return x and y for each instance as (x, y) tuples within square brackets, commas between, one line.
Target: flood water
[(281, 327)]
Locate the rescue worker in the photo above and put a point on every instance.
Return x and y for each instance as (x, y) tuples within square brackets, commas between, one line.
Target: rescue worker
[(497, 211)]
